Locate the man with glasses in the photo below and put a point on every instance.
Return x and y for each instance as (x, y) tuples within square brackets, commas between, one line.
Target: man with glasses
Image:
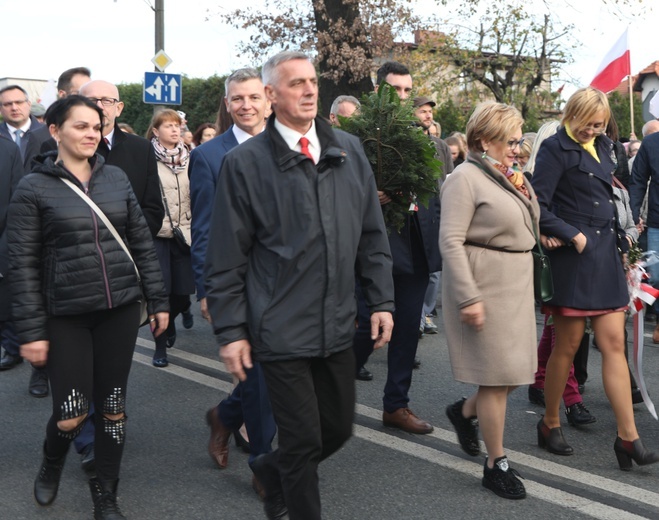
[(18, 125), (22, 129), (11, 171)]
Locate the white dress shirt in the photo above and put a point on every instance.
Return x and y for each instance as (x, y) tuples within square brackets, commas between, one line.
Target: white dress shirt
[(292, 139)]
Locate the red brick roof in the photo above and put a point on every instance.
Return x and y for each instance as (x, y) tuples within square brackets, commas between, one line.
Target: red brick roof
[(653, 68), (623, 88)]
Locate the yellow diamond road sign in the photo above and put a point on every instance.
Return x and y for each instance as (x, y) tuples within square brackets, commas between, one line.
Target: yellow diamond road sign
[(161, 60)]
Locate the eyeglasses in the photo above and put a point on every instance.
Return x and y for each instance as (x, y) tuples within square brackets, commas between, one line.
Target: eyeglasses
[(106, 101), (597, 129), (512, 144), (8, 104)]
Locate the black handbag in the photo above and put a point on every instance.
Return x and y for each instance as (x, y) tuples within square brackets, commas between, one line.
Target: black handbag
[(543, 282), (179, 238)]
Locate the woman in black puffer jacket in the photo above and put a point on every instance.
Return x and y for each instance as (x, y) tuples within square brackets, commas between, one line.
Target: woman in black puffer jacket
[(76, 295)]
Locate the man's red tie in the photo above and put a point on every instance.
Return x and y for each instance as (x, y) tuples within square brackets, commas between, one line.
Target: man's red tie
[(304, 147)]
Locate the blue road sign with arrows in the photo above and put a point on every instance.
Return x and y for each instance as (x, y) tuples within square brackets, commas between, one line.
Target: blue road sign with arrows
[(162, 89)]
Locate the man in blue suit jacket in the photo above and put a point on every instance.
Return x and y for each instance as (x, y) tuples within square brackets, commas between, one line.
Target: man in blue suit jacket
[(249, 403), (15, 112), (11, 171)]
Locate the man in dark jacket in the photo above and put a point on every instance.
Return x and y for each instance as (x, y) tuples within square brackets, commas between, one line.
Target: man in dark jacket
[(423, 111), (18, 125), (646, 169), (68, 83), (11, 170), (296, 213), (24, 130), (132, 153), (415, 253)]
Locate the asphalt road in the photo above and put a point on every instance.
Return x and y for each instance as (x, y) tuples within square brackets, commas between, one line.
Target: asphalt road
[(380, 474)]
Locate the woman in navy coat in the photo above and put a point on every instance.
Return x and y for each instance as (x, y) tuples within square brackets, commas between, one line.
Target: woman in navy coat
[(579, 228)]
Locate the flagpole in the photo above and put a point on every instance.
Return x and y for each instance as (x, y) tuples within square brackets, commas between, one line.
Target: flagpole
[(631, 105), (631, 92)]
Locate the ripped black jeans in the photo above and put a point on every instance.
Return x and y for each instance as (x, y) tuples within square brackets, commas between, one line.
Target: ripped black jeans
[(88, 361)]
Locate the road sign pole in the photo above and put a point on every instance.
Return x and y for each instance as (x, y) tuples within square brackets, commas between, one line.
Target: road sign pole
[(160, 35)]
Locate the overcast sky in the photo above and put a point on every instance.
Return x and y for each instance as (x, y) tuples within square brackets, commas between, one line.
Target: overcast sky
[(115, 38)]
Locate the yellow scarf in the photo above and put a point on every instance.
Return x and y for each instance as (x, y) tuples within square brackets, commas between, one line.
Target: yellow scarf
[(589, 146)]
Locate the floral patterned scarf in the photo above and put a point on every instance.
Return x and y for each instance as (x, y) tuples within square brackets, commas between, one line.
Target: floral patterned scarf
[(176, 159), (514, 175)]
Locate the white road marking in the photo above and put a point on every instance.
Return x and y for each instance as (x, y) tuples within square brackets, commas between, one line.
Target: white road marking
[(546, 493)]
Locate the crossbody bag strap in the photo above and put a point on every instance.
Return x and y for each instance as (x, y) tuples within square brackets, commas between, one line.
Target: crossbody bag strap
[(105, 220), (164, 197)]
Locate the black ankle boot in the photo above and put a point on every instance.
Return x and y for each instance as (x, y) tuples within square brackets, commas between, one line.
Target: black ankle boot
[(266, 471), (47, 481), (104, 495), (552, 439), (627, 450)]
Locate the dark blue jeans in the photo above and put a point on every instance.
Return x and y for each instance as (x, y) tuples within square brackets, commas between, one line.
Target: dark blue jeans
[(8, 338), (249, 404)]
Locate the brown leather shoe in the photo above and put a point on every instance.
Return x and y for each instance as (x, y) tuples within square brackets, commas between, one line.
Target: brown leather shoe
[(655, 334), (405, 419), (258, 488), (218, 445)]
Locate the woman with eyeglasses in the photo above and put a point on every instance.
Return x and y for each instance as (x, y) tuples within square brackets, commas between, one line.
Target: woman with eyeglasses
[(174, 239), (489, 223), (580, 231)]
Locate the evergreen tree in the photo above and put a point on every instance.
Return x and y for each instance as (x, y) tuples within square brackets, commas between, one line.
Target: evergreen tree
[(401, 155)]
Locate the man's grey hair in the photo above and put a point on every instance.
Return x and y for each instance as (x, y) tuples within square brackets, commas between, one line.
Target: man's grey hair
[(269, 72), (239, 76), (650, 127), (343, 99)]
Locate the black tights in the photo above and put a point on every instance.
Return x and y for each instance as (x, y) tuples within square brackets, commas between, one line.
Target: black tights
[(88, 361)]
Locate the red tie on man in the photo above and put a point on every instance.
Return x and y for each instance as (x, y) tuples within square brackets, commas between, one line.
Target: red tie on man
[(304, 145)]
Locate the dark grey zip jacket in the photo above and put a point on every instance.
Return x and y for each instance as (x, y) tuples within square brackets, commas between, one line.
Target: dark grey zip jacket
[(63, 260), (286, 238)]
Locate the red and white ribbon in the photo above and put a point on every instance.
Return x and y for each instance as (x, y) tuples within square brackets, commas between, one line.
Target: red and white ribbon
[(640, 293)]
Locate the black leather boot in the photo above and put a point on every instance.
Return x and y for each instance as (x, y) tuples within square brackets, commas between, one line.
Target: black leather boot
[(267, 472), (104, 495), (47, 481), (627, 450), (552, 439)]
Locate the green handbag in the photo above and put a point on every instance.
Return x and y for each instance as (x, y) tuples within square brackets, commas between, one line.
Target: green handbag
[(543, 283)]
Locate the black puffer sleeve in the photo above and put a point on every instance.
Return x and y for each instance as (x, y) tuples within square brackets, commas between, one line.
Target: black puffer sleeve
[(25, 264)]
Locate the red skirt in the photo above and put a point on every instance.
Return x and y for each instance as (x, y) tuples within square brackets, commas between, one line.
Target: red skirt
[(577, 313)]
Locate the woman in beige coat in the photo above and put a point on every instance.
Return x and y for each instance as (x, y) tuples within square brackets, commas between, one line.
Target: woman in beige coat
[(173, 251), (489, 214)]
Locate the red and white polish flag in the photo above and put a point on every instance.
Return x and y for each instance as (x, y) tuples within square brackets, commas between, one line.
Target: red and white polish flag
[(615, 66)]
